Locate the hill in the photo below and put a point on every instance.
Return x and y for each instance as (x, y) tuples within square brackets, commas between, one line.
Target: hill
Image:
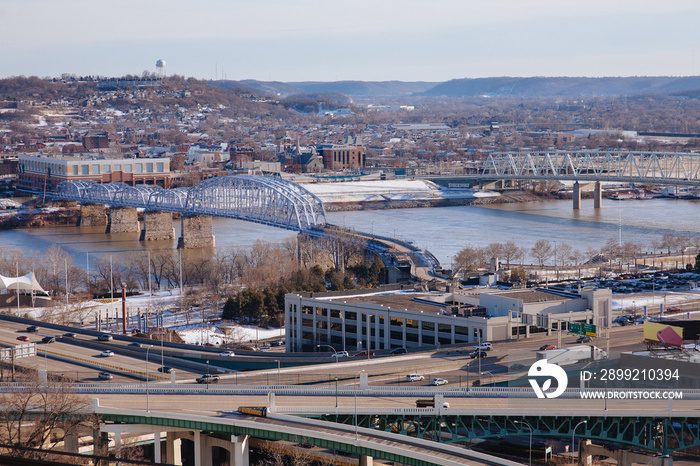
[(563, 86), (350, 88)]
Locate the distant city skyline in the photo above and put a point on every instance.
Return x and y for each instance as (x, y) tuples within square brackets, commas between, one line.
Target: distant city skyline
[(381, 40)]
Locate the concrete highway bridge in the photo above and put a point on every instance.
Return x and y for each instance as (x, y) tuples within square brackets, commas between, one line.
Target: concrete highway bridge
[(588, 166)]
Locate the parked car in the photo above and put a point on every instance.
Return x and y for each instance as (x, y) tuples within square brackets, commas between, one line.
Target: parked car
[(364, 354), (23, 338), (227, 353), (207, 378), (107, 353), (398, 351), (32, 329), (478, 354), (583, 339), (165, 369), (414, 377), (105, 376), (547, 347), (105, 337), (438, 381), (484, 346), (48, 339)]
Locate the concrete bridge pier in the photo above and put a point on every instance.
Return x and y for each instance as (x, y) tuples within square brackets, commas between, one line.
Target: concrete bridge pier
[(196, 232), (577, 196), (157, 225), (597, 195), (123, 220), (92, 215)]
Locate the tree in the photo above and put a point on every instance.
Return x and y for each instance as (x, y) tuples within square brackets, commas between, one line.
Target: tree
[(668, 241), (541, 251), (511, 251), (563, 253), (469, 259), (40, 414)]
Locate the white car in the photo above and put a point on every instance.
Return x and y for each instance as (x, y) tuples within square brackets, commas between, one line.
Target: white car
[(438, 381), (227, 353), (107, 353), (484, 346), (340, 354), (414, 377)]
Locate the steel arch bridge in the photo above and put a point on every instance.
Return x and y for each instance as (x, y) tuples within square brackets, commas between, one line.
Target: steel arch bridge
[(260, 199), (594, 165)]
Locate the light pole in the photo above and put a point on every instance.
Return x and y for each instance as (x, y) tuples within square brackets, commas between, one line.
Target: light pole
[(530, 429), (335, 353), (336, 392), (356, 403), (573, 432), (493, 381), (147, 350)]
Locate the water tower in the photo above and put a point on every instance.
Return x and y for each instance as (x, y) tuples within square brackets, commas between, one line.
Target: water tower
[(160, 68)]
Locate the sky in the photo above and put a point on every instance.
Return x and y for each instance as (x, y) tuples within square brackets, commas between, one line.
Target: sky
[(333, 40)]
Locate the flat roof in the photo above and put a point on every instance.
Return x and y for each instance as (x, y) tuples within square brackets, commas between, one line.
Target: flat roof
[(532, 295), (400, 300)]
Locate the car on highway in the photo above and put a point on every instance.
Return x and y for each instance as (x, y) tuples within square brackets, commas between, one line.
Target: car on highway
[(107, 353), (23, 338), (398, 351), (135, 344), (364, 354), (207, 378), (340, 354), (165, 369), (105, 375), (414, 377), (478, 354), (547, 347), (227, 353), (48, 339), (438, 381), (277, 343), (486, 346), (32, 329), (105, 337), (69, 335), (583, 339)]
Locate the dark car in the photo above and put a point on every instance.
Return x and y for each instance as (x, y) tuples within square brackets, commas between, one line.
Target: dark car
[(208, 378), (165, 369), (583, 339), (105, 337), (48, 339), (69, 335), (398, 351), (135, 344), (478, 354), (32, 328)]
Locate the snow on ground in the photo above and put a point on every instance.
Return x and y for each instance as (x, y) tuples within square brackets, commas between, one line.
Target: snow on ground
[(383, 190), (238, 334)]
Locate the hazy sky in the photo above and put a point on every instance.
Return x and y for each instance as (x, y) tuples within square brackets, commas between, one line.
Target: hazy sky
[(330, 40)]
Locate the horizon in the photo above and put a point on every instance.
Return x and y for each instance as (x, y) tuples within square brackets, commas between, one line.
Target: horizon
[(314, 41)]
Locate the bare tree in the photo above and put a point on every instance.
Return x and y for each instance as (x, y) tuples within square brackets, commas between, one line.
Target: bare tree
[(541, 251), (511, 251), (564, 253), (469, 259), (42, 414)]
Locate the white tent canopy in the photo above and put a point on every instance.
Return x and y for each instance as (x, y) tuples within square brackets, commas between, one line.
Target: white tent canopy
[(24, 283)]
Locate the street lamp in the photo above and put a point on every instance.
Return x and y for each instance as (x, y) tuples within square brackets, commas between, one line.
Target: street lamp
[(573, 432), (356, 403), (335, 353), (493, 381), (529, 428), (336, 392), (147, 350)]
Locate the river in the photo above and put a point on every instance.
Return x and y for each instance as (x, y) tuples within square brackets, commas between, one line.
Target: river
[(441, 230)]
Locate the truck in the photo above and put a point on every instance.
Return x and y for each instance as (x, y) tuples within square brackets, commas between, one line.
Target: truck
[(572, 355)]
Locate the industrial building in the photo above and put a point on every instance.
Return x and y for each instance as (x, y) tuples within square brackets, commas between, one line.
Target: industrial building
[(397, 316)]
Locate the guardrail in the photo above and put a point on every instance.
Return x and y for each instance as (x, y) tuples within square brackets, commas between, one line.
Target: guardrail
[(231, 389)]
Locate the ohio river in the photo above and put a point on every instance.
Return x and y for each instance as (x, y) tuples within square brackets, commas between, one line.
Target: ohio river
[(441, 230)]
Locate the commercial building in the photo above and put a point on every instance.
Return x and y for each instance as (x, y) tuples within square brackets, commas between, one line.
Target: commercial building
[(397, 316), (39, 172)]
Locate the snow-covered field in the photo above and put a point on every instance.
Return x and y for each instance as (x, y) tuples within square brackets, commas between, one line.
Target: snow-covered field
[(392, 190)]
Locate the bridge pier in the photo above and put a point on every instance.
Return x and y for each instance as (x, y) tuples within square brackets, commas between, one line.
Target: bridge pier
[(123, 220), (366, 460), (622, 456), (196, 232), (577, 196), (92, 215), (597, 195), (157, 225), (173, 449)]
